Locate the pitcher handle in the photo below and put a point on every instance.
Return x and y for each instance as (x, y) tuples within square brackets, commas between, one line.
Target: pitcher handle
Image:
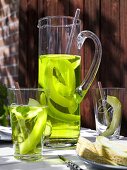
[(86, 83)]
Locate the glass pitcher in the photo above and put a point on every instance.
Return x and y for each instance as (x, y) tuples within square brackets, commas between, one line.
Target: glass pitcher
[(59, 73)]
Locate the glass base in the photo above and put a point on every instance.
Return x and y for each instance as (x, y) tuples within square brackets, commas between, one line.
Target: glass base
[(29, 158), (101, 128), (60, 143)]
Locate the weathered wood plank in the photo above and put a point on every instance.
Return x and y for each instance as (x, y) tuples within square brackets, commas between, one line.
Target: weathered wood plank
[(110, 37), (32, 43), (28, 16), (123, 58), (91, 22), (55, 7), (123, 40), (23, 43)]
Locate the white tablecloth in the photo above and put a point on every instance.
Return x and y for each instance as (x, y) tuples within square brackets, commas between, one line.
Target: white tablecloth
[(50, 159)]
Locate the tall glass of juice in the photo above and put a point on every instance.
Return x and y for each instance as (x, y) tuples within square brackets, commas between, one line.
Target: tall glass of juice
[(28, 115)]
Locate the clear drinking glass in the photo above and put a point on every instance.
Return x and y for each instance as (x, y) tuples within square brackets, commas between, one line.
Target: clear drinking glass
[(59, 72), (28, 116), (108, 106)]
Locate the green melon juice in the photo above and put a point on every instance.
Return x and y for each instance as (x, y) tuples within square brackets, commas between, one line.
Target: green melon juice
[(60, 75), (28, 125)]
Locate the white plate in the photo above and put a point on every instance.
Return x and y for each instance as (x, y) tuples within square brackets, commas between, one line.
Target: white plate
[(96, 166)]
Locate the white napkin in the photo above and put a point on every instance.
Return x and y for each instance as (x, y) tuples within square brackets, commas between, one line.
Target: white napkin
[(88, 133), (5, 133)]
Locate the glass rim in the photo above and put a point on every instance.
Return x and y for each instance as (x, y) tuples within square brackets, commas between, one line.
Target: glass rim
[(78, 21), (110, 88), (26, 89)]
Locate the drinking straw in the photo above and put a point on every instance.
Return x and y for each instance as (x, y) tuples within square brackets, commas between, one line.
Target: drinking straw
[(105, 109), (68, 47), (101, 93), (19, 97)]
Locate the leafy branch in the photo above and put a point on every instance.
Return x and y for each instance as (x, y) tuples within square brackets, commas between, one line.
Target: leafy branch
[(4, 114)]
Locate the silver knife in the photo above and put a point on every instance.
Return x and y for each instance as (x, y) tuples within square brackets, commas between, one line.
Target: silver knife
[(72, 165)]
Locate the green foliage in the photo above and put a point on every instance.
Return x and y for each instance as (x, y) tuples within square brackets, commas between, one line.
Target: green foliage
[(4, 114)]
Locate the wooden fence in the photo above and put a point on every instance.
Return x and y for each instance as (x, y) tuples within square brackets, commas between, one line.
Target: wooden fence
[(106, 18)]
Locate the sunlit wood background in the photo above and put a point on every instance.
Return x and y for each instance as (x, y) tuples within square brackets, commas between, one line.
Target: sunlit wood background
[(106, 18)]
